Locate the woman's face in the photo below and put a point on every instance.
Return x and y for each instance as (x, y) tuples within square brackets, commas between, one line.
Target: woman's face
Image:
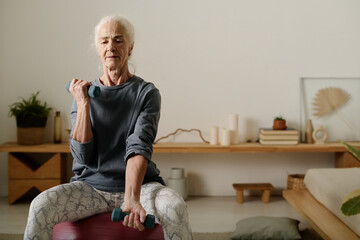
[(113, 45)]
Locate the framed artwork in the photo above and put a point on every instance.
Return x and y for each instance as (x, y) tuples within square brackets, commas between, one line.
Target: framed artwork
[(333, 103)]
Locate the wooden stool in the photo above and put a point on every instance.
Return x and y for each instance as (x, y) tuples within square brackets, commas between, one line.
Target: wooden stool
[(265, 187)]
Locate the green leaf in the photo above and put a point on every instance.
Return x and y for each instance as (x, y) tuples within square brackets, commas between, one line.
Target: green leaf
[(354, 151), (351, 205), (29, 107)]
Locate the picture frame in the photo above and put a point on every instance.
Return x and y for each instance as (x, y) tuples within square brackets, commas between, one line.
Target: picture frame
[(343, 123)]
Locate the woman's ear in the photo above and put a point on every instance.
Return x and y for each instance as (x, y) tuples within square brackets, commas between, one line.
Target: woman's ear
[(131, 48)]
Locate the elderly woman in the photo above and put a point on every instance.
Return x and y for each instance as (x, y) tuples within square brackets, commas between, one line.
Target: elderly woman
[(111, 143)]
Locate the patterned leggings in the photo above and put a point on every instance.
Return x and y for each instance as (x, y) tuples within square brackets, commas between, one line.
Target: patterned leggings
[(78, 200)]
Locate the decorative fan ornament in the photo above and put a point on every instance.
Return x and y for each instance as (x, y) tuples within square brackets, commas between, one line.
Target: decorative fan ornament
[(328, 100)]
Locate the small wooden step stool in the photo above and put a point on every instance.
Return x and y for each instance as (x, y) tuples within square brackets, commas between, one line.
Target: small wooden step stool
[(265, 187)]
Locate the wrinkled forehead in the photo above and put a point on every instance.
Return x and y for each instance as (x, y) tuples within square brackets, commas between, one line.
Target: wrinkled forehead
[(112, 29)]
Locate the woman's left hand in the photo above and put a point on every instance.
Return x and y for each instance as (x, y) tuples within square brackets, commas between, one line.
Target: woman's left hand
[(137, 215)]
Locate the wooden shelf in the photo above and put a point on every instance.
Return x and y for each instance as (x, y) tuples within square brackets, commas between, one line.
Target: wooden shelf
[(248, 148), (193, 148), (41, 148)]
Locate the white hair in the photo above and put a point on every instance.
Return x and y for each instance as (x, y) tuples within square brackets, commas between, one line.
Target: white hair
[(122, 21)]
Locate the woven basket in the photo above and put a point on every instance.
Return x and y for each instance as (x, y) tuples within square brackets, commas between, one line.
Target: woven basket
[(296, 182), (30, 135)]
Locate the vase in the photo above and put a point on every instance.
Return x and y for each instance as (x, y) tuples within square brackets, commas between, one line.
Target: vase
[(309, 129), (57, 128), (234, 128), (214, 135), (178, 182), (323, 135), (225, 137)]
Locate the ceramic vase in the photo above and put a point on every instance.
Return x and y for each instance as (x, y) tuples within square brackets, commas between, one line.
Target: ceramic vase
[(178, 182), (309, 129), (321, 139)]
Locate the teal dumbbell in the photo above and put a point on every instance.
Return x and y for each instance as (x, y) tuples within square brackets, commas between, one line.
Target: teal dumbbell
[(93, 91), (118, 215)]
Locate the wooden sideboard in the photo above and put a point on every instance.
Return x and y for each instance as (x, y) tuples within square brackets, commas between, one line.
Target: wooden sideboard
[(25, 172)]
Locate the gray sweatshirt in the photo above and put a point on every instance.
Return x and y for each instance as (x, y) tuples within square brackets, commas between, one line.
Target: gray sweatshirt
[(124, 122)]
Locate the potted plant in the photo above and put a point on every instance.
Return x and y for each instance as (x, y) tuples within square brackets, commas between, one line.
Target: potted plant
[(351, 204), (279, 123), (31, 116)]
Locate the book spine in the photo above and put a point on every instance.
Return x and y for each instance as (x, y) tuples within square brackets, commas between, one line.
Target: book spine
[(279, 137), (270, 142), (283, 132)]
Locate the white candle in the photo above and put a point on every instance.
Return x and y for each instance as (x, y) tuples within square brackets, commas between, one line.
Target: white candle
[(234, 127), (225, 137), (214, 135)]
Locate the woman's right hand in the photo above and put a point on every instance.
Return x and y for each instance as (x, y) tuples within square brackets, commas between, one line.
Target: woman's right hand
[(79, 89), (82, 130)]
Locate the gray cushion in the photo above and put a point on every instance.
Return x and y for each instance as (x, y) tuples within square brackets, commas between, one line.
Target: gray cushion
[(266, 228)]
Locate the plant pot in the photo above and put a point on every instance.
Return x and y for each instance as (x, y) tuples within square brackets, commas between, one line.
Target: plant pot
[(30, 130), (30, 136), (279, 125)]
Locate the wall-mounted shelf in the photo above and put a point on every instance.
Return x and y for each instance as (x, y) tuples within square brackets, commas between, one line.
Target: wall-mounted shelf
[(248, 148), (193, 148)]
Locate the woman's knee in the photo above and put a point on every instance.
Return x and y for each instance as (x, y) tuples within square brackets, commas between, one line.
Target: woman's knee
[(44, 204), (52, 202), (171, 205)]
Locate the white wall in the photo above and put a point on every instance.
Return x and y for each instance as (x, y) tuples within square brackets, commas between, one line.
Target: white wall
[(208, 58)]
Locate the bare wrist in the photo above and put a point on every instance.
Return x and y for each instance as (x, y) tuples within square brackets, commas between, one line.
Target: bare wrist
[(131, 195), (83, 105)]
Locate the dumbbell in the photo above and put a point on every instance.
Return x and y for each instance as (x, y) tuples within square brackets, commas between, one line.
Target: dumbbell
[(118, 215), (93, 91)]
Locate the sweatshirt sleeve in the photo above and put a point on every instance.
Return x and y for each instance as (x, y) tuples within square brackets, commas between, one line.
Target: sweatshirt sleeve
[(140, 141), (81, 152)]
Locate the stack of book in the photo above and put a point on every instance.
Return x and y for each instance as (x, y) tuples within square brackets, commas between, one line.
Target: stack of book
[(289, 136)]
